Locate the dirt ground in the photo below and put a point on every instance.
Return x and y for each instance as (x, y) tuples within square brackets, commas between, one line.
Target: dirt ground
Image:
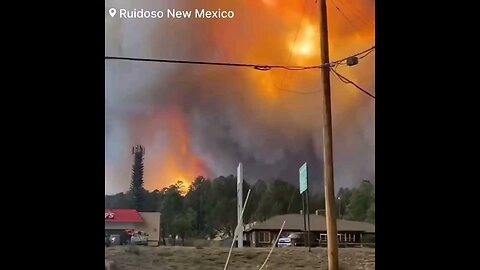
[(135, 257)]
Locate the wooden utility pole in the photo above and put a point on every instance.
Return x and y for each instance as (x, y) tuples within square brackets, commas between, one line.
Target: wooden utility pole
[(327, 144), (304, 219), (308, 224)]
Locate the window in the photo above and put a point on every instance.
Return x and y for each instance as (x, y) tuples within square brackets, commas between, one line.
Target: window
[(323, 237), (264, 237)]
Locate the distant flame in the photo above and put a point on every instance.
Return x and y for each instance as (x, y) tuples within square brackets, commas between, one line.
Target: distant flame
[(175, 161), (306, 43)]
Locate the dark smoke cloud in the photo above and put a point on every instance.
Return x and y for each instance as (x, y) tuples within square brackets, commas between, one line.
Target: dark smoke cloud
[(228, 120)]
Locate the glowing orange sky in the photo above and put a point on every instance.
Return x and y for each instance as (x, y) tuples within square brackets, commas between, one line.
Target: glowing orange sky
[(276, 32), (298, 41)]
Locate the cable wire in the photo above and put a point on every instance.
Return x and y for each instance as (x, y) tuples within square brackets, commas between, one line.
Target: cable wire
[(357, 13), (255, 66), (344, 16), (346, 80), (366, 52), (333, 66), (299, 92), (365, 55)]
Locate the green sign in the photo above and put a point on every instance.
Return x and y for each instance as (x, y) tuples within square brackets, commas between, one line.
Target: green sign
[(303, 178)]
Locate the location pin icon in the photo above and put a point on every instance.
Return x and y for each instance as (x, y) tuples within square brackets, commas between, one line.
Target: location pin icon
[(112, 12)]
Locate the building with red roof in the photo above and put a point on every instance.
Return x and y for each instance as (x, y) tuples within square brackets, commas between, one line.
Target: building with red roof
[(122, 216), (118, 220)]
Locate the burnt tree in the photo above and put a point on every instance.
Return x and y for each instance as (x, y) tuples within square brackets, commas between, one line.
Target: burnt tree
[(136, 187)]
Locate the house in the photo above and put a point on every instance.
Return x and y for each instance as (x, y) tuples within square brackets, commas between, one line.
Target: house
[(261, 234), (118, 220)]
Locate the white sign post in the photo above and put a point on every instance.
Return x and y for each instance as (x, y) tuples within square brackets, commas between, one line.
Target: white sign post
[(239, 205)]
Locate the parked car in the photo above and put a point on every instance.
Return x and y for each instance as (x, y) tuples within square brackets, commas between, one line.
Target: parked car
[(139, 238), (284, 242), (300, 238)]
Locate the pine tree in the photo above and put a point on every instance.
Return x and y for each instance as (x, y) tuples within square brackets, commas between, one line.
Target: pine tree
[(136, 187)]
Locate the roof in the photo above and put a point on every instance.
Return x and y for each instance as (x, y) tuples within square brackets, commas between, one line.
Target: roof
[(122, 215), (294, 222)]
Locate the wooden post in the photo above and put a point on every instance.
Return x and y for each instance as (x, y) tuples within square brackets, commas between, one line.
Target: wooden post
[(304, 219), (328, 143)]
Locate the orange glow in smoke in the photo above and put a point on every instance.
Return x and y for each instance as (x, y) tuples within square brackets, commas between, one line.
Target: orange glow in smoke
[(176, 160), (270, 2), (306, 44), (271, 27)]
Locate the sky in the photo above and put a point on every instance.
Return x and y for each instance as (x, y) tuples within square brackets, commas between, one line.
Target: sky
[(204, 120)]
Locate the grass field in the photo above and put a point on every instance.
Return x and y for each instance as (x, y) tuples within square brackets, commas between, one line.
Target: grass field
[(135, 257)]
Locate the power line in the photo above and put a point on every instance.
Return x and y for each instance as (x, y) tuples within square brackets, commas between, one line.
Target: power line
[(346, 80), (299, 92), (343, 14), (365, 55), (357, 13), (334, 64), (255, 66), (366, 52)]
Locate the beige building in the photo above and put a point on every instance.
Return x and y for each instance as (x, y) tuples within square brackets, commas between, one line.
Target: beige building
[(261, 234), (117, 220)]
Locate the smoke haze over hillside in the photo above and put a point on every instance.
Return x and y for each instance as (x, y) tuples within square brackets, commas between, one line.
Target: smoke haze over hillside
[(203, 120)]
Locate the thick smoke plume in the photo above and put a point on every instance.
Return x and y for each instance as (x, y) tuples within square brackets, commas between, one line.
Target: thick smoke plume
[(203, 120)]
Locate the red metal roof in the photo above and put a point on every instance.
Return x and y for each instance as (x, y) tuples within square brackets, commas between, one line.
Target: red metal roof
[(122, 215)]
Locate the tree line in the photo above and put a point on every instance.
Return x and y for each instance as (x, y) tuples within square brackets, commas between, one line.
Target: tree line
[(208, 207)]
